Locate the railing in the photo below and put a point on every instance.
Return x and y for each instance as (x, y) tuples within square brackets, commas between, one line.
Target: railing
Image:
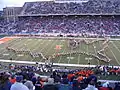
[(62, 14)]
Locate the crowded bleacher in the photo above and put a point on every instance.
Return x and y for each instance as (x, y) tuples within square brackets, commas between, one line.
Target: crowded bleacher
[(108, 25), (92, 6), (28, 78), (52, 17)]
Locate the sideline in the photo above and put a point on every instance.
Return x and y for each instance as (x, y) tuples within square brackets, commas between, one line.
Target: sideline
[(58, 64)]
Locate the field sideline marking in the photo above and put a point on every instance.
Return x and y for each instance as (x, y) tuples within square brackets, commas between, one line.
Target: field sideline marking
[(62, 52), (11, 55), (116, 48), (88, 61), (22, 46), (79, 54), (43, 41), (119, 42), (51, 46), (4, 48), (33, 48), (59, 64), (114, 55), (34, 45), (25, 41), (5, 39), (44, 47), (69, 56), (100, 45), (37, 45), (38, 42), (98, 62)]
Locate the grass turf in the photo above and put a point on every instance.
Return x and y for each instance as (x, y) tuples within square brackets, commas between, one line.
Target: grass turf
[(47, 48)]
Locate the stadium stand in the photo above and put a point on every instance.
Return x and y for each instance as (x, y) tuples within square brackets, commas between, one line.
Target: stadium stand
[(69, 79), (94, 17), (90, 7), (64, 24), (108, 25)]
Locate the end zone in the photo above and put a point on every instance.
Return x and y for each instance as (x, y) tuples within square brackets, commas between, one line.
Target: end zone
[(5, 39)]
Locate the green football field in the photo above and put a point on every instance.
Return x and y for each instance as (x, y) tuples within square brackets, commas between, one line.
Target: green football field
[(92, 51)]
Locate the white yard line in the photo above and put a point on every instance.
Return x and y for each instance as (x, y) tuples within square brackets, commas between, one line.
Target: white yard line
[(17, 44), (39, 45), (23, 47), (34, 46), (79, 55), (51, 46), (88, 52), (61, 56), (4, 49), (98, 62), (69, 57), (115, 46), (40, 41), (33, 49), (117, 49), (44, 46), (114, 55), (100, 48), (119, 42)]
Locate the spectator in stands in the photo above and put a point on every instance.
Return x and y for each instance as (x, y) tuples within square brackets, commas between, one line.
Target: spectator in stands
[(50, 85), (64, 87), (5, 84), (100, 25), (19, 85), (92, 6), (34, 80), (105, 86), (56, 76), (69, 80), (29, 84), (76, 85), (13, 79), (38, 84), (98, 85), (92, 80), (64, 79), (117, 86)]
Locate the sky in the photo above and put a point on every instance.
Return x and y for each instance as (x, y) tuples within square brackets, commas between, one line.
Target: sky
[(15, 3)]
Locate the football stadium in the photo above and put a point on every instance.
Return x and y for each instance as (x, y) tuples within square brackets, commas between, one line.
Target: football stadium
[(73, 43)]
